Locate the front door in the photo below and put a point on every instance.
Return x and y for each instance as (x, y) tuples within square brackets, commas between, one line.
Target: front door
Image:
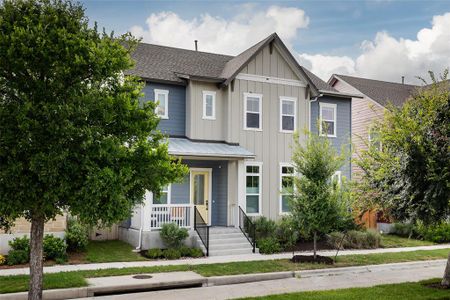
[(200, 192)]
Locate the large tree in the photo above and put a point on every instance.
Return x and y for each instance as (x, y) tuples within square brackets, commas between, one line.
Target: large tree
[(410, 175), (73, 136), (318, 203)]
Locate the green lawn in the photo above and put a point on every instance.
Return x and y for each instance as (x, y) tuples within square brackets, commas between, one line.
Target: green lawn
[(10, 284), (111, 251), (394, 241), (410, 291)]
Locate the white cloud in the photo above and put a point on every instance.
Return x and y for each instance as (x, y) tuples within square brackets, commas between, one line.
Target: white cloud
[(389, 58), (215, 34)]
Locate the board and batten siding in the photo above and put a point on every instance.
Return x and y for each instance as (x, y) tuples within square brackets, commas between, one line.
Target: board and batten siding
[(343, 128), (175, 125)]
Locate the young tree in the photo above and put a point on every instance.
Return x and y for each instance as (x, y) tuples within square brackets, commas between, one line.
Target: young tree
[(73, 137), (317, 204), (410, 176)]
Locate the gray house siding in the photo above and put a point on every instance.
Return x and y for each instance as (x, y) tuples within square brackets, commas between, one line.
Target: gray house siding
[(343, 130), (175, 125), (180, 192)]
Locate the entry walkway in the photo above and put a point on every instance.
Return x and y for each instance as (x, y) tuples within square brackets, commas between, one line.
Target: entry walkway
[(209, 260)]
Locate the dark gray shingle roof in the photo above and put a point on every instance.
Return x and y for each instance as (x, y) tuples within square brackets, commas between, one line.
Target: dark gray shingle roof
[(187, 147), (382, 92)]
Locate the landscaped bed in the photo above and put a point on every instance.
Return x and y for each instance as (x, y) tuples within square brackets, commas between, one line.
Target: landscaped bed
[(409, 290), (19, 283)]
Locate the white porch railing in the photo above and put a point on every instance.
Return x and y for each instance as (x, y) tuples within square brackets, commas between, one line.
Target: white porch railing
[(181, 214)]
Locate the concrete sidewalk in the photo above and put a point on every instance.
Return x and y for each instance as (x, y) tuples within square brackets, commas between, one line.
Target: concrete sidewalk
[(210, 260), (313, 280)]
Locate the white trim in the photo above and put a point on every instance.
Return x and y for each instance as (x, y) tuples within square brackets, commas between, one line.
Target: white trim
[(337, 174), (334, 107), (213, 95), (169, 196), (166, 93), (260, 97), (209, 170), (291, 99), (269, 79), (280, 174), (259, 164)]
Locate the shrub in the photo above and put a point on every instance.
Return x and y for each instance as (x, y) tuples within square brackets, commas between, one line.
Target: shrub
[(373, 239), (154, 253), (336, 240), (354, 239), (196, 252), (185, 251), (22, 243), (2, 260), (18, 257), (171, 253), (76, 236), (269, 245), (285, 233), (264, 228), (54, 248), (439, 233), (172, 235), (403, 229)]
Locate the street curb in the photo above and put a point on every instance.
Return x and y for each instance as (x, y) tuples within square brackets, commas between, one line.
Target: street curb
[(236, 279), (58, 294)]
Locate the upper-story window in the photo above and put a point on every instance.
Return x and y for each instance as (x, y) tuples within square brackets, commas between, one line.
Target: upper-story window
[(328, 119), (162, 97), (288, 114), (252, 111), (286, 186), (209, 105), (253, 188)]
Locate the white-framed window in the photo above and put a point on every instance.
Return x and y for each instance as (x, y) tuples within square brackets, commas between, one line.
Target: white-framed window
[(337, 177), (164, 197), (252, 111), (328, 112), (288, 114), (286, 186), (374, 139), (162, 98), (209, 105), (253, 183)]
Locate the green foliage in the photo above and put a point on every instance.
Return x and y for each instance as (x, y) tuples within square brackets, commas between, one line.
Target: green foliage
[(154, 253), (2, 260), (73, 134), (54, 248), (404, 229), (317, 203), (172, 235), (18, 257), (20, 243), (171, 253), (196, 252), (264, 227), (76, 236), (410, 176), (439, 233), (269, 245), (286, 233), (185, 251), (354, 239)]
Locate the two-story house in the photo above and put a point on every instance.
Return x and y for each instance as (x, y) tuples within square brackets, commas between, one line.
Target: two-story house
[(231, 120)]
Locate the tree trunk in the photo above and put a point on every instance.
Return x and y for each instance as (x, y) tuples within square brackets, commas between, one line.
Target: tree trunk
[(315, 245), (446, 279), (36, 258)]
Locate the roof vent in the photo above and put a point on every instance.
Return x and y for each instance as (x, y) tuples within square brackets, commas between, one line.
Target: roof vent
[(196, 47)]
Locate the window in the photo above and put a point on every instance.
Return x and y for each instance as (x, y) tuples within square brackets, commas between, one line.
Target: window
[(286, 186), (253, 189), (374, 139), (209, 105), (164, 197), (337, 178), (162, 97), (288, 114), (252, 111), (328, 119)]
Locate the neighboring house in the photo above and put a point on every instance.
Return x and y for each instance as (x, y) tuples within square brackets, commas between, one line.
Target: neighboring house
[(375, 97), (231, 120)]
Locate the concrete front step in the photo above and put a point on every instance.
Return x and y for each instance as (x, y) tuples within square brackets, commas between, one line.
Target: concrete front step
[(221, 236), (230, 246), (230, 252), (218, 230), (226, 241)]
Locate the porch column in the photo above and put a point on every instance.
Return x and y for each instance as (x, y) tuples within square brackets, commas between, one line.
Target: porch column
[(147, 211), (240, 189)]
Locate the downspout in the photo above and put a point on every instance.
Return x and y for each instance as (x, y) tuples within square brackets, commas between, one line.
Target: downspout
[(139, 247), (311, 101)]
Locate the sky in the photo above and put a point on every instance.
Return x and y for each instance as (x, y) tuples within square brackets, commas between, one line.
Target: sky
[(379, 39)]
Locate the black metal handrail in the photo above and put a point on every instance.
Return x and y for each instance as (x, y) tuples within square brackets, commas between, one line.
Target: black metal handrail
[(202, 229), (248, 228)]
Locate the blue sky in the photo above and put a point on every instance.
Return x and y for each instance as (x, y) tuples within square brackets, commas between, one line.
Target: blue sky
[(333, 29)]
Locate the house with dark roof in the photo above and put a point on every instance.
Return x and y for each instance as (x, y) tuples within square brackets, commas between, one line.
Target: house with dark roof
[(375, 95), (231, 120)]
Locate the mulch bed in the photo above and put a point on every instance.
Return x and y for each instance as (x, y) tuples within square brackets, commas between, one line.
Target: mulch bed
[(309, 246), (436, 285), (310, 259)]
